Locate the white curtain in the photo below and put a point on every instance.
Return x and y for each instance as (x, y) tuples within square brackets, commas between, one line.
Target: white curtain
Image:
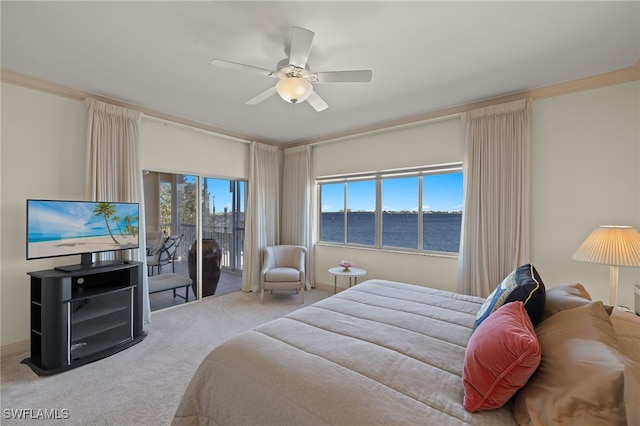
[(495, 223), (298, 206), (263, 209), (114, 171)]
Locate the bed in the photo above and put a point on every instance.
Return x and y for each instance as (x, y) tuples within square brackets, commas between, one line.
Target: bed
[(381, 352)]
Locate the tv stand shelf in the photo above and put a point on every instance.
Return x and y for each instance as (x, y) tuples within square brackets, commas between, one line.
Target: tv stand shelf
[(84, 315)]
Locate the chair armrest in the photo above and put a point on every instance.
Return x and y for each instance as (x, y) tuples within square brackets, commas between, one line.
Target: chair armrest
[(299, 259), (268, 261)]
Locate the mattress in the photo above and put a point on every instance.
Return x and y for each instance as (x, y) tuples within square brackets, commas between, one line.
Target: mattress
[(381, 352)]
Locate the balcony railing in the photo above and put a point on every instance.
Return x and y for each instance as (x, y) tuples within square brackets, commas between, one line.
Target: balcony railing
[(225, 236)]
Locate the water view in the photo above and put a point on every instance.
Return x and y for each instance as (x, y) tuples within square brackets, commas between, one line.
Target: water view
[(441, 231)]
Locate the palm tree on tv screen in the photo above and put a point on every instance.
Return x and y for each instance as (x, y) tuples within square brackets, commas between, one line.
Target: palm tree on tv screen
[(106, 210), (116, 219), (129, 228)]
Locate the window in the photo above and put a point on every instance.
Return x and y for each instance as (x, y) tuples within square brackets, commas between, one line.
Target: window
[(400, 212), (442, 212), (416, 209), (332, 217), (361, 212)]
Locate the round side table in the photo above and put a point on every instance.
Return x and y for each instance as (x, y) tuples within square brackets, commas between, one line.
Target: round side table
[(352, 273)]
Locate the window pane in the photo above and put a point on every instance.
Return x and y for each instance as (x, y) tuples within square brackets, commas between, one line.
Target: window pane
[(332, 212), (442, 206), (400, 212), (361, 216), (223, 218)]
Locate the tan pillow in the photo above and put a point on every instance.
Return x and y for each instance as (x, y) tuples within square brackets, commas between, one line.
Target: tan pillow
[(584, 377), (564, 297)]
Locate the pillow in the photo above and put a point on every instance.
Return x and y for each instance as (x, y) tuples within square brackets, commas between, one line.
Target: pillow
[(523, 284), (501, 356), (564, 297), (584, 376)]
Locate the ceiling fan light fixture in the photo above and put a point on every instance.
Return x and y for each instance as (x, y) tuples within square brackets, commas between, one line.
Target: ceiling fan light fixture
[(294, 89)]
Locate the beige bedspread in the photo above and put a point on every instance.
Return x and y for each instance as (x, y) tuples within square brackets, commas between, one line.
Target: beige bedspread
[(379, 353)]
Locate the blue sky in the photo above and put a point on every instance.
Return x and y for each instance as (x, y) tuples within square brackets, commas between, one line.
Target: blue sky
[(441, 192), (220, 195)]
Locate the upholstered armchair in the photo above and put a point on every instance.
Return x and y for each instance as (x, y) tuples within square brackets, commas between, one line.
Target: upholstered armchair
[(283, 268)]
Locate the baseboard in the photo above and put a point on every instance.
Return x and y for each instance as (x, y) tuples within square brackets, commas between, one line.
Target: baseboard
[(15, 348)]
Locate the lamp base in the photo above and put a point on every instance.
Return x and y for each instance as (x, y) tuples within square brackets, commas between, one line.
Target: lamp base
[(613, 280)]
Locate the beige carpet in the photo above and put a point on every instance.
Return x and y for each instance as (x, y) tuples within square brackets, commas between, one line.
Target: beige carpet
[(141, 385)]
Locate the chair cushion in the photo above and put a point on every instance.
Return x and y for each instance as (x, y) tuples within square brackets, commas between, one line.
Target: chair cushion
[(282, 274), (164, 282)]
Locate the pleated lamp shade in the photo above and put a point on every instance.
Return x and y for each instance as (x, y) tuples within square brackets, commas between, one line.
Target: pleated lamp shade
[(614, 246), (611, 245)]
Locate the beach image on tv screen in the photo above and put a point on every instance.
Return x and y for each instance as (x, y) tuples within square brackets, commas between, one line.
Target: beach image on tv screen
[(59, 228)]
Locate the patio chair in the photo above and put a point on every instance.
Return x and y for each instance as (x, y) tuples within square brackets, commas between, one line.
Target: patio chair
[(165, 255), (154, 240)]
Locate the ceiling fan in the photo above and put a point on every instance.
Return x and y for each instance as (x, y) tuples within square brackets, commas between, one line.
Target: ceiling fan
[(296, 81)]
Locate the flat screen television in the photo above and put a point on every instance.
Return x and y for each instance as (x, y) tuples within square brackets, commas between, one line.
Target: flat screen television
[(64, 228)]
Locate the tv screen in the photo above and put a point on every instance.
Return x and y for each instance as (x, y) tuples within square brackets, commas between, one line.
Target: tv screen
[(63, 228)]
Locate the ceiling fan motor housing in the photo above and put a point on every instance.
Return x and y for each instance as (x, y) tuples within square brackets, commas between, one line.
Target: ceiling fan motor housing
[(285, 69)]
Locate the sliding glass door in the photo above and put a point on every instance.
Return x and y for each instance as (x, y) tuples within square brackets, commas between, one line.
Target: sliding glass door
[(223, 218), (208, 214)]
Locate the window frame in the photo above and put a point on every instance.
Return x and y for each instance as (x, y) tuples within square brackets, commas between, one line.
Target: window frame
[(378, 177)]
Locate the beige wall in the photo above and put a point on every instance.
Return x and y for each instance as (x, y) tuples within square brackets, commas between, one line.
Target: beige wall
[(586, 172), (176, 148), (434, 143), (42, 156)]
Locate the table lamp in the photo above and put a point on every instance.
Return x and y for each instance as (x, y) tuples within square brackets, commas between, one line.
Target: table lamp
[(614, 246)]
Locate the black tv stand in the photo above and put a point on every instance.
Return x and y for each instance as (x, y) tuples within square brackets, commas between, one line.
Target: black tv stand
[(90, 266), (84, 315)]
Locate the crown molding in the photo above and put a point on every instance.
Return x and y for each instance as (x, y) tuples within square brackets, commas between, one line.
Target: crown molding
[(29, 82), (601, 80)]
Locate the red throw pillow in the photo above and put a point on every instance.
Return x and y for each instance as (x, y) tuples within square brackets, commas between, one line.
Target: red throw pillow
[(501, 356)]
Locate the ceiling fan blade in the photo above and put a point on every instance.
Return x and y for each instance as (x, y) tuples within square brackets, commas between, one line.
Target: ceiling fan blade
[(301, 40), (359, 76), (241, 67), (317, 102), (261, 96)]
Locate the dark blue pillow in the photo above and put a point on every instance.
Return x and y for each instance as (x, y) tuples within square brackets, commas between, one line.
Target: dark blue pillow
[(523, 284)]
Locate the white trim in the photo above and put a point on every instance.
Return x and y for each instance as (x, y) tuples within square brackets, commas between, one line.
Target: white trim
[(623, 75), (15, 348), (390, 173)]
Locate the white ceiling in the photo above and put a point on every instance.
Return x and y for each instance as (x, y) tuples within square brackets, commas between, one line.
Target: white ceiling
[(424, 55)]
